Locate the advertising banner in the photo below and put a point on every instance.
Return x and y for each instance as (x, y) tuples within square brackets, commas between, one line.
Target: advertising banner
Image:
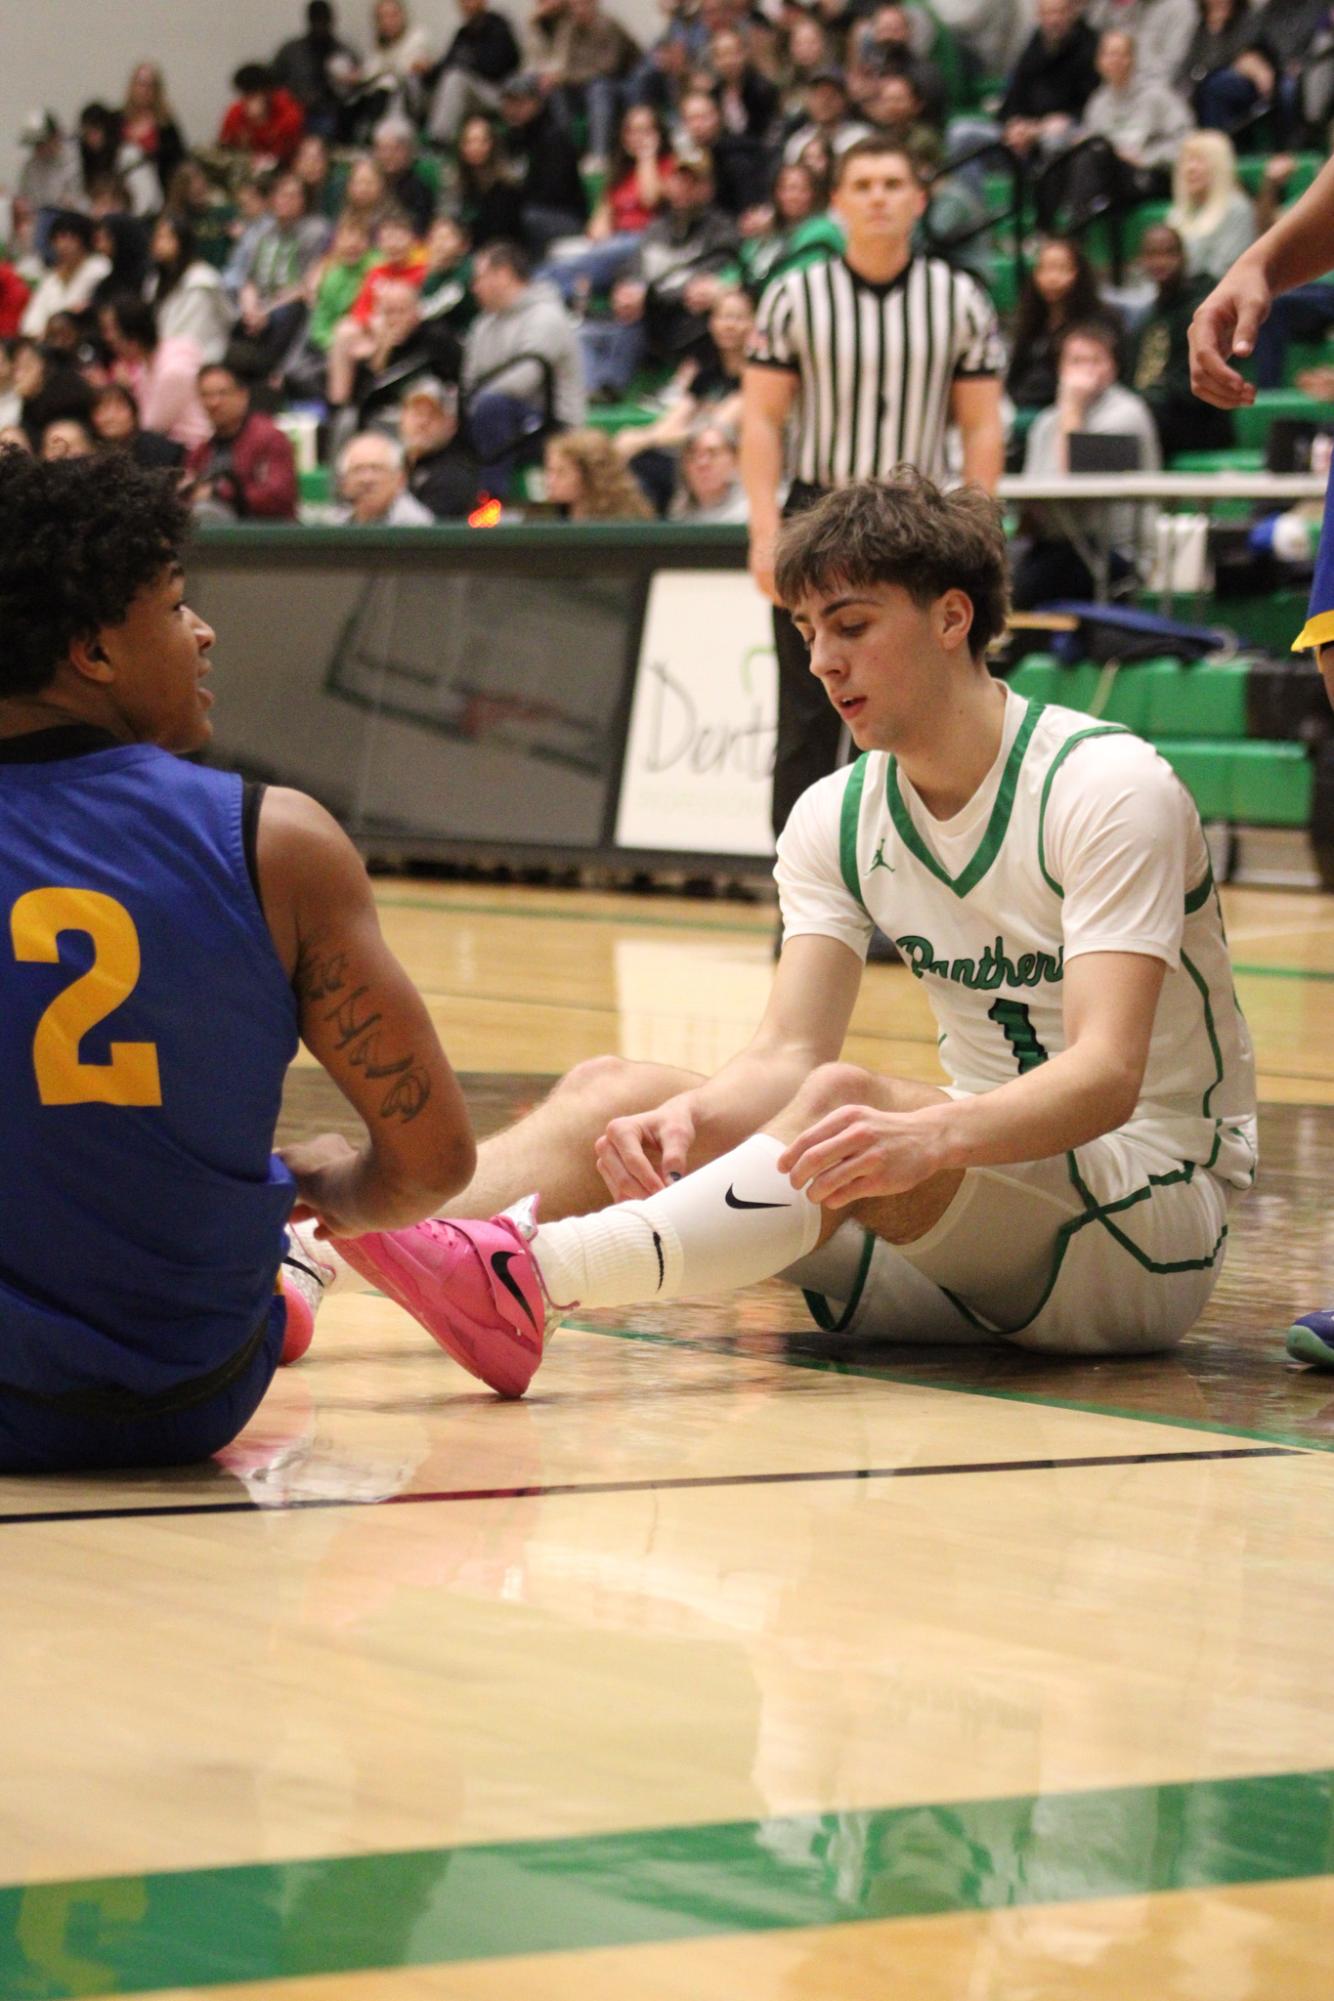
[(700, 749)]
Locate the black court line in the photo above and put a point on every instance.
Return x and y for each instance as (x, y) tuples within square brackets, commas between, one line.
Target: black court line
[(557, 1489)]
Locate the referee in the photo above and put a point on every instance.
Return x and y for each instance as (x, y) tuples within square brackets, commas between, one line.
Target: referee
[(875, 353)]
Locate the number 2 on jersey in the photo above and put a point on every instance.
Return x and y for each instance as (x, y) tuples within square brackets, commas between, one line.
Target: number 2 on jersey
[(131, 1077), (1018, 1030)]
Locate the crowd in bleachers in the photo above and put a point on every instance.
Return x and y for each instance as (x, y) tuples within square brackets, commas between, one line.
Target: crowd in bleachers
[(399, 278)]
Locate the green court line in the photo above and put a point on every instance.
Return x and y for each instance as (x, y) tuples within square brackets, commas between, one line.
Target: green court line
[(1281, 973), (868, 1372), (435, 1906)]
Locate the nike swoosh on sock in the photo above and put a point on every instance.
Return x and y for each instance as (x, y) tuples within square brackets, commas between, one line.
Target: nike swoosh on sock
[(735, 1201), (299, 1264)]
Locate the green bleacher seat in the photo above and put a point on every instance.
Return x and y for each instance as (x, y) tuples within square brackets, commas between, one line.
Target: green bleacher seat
[(1141, 218), (1194, 701), (1264, 784), (620, 417), (1234, 459), (1253, 423), (1307, 354), (1037, 677), (1196, 716), (315, 488), (1251, 166), (948, 57), (1003, 282)]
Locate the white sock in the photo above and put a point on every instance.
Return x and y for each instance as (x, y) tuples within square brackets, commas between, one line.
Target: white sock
[(335, 1274), (730, 1223)]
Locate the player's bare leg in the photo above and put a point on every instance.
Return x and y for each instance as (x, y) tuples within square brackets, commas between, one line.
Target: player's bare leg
[(489, 1291), (737, 1218), (550, 1152), (898, 1218)]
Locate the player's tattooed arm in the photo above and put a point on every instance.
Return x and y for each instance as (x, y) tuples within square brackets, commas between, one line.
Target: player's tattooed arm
[(362, 1018), (325, 981)]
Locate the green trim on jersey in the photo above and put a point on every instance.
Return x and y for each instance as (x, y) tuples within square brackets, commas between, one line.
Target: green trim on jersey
[(1096, 1212), (1212, 1034), (1195, 898), (1082, 736), (1199, 896), (821, 1311), (847, 830), (1100, 1214), (997, 826)]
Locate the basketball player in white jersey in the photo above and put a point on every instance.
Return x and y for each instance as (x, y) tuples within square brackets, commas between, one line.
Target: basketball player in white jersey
[(1047, 879)]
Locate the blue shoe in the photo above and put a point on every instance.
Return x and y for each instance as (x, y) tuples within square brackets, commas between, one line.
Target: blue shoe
[(1311, 1339)]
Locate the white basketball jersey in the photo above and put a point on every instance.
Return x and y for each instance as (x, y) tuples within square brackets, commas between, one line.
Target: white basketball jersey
[(988, 945)]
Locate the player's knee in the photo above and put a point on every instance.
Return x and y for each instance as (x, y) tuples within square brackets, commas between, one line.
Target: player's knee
[(603, 1078), (835, 1084)]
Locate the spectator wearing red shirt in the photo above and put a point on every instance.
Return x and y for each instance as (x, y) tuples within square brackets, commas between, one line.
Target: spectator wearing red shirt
[(14, 296), (265, 121), (398, 256), (636, 190), (246, 471)]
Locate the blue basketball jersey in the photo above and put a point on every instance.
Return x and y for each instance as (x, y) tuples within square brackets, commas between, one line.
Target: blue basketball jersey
[(145, 1028)]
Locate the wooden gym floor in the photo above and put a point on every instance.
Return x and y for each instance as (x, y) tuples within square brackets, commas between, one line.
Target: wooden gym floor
[(731, 1661)]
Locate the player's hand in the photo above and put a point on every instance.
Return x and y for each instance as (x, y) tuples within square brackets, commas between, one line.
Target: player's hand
[(328, 1173), (857, 1153), (640, 1154), (1225, 324)]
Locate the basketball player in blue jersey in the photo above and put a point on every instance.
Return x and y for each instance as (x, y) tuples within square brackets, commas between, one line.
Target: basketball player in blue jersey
[(1045, 876), (1297, 249), (166, 934)]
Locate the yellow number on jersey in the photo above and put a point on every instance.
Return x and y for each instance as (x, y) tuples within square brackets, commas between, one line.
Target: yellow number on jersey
[(131, 1077)]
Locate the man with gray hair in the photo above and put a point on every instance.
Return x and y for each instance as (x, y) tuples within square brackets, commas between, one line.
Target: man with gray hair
[(394, 150), (373, 483)]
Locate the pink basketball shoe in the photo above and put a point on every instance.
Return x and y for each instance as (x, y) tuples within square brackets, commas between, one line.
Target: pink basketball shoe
[(473, 1286)]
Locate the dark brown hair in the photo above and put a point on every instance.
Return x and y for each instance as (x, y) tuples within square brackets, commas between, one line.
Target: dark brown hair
[(874, 147), (903, 530)]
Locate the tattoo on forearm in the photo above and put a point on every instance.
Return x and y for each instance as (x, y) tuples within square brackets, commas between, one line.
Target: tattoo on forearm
[(406, 1096), (357, 1026)]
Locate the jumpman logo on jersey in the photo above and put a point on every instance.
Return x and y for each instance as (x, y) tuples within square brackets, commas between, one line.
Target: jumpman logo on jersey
[(879, 861)]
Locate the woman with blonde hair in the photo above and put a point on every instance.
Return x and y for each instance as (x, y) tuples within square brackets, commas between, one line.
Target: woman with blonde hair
[(1211, 211), (148, 121), (588, 482)]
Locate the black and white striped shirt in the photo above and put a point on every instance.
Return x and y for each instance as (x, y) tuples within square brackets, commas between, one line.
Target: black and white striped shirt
[(875, 363)]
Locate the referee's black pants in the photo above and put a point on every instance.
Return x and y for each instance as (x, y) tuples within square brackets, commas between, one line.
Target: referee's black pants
[(809, 726)]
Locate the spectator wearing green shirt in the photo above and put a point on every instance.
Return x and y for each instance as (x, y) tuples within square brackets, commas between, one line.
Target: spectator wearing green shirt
[(446, 290), (794, 231), (332, 287)]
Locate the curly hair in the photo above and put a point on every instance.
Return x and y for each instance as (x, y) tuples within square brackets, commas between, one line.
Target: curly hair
[(79, 540), (610, 492), (907, 531)]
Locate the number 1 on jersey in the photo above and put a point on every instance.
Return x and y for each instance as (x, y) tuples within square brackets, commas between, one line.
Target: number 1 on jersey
[(131, 1077), (1015, 1025)]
